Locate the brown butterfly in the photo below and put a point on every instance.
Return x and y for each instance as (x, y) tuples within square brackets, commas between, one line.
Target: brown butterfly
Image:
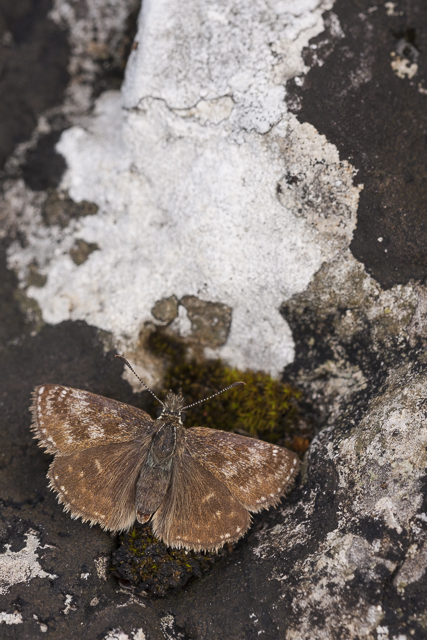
[(114, 464)]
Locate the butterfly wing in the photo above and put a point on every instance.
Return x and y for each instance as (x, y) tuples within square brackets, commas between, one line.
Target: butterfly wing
[(66, 420), (198, 511), (99, 484), (256, 473)]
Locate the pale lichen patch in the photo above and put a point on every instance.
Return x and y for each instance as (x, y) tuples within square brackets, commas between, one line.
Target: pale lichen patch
[(10, 618), (23, 565)]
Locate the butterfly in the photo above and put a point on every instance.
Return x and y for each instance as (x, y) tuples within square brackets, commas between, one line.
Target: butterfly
[(113, 464)]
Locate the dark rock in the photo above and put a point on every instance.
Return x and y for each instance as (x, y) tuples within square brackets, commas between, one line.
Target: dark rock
[(35, 278), (59, 208), (347, 333), (33, 69), (44, 167), (110, 59), (378, 121), (12, 321), (81, 251)]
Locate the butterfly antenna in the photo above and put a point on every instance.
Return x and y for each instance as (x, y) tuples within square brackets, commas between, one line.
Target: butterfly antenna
[(143, 383), (235, 384)]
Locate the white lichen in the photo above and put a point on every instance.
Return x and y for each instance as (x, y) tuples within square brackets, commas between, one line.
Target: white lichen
[(205, 184), (23, 565), (11, 618)]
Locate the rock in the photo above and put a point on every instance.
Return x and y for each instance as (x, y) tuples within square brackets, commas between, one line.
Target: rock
[(33, 77), (166, 309), (206, 186), (35, 278), (81, 251), (257, 185), (59, 208), (210, 321), (353, 568)]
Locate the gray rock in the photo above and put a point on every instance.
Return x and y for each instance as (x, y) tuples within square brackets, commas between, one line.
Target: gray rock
[(210, 321), (166, 309)]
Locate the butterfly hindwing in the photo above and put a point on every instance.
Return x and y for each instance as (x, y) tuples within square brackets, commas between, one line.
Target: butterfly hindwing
[(198, 511), (99, 484), (256, 473), (66, 420)]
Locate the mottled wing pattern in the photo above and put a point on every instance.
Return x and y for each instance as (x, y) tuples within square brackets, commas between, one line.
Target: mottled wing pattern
[(66, 420), (198, 511), (99, 484), (256, 473)]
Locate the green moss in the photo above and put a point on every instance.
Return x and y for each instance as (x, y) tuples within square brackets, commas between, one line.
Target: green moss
[(264, 408), (146, 564)]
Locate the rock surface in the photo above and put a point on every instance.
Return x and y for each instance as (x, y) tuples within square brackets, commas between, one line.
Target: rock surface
[(205, 184), (254, 129)]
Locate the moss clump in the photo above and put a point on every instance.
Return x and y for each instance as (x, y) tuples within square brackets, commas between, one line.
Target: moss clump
[(264, 408), (147, 565)]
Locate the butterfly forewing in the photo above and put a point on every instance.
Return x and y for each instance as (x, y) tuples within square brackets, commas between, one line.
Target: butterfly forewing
[(198, 511), (99, 484), (66, 420), (256, 473)]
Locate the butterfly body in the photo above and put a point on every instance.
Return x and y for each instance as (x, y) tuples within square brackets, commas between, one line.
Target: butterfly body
[(114, 464), (163, 446)]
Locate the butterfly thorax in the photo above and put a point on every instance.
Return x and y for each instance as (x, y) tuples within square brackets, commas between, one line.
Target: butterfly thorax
[(163, 446), (164, 443)]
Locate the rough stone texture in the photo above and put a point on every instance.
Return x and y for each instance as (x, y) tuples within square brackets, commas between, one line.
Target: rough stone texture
[(23, 565), (81, 251), (354, 580), (210, 321), (348, 331), (166, 309), (206, 185), (33, 63), (59, 209), (357, 78), (345, 555)]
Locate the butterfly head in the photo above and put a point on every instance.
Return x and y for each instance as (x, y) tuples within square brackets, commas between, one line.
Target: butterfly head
[(172, 408), (174, 404)]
